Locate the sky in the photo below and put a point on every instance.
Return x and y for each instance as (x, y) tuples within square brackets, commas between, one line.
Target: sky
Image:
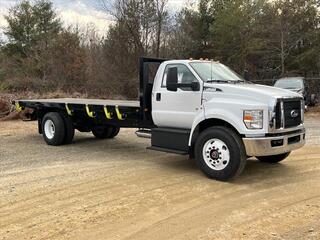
[(81, 12)]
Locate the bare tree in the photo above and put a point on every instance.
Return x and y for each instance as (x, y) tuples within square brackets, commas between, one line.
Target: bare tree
[(144, 19), (161, 15)]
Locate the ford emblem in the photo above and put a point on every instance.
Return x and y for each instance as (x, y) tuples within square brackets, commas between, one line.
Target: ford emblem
[(294, 113)]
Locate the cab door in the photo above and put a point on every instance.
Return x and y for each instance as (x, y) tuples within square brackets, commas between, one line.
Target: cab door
[(176, 109)]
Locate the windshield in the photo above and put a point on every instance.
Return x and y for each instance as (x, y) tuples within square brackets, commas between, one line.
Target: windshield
[(289, 83), (213, 71)]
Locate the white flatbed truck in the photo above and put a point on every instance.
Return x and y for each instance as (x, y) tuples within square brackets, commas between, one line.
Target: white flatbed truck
[(195, 107)]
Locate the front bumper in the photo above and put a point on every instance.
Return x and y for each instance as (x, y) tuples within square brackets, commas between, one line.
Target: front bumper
[(267, 146)]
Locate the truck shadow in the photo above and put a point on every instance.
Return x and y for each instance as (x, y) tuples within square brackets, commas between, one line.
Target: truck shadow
[(256, 171), (127, 149)]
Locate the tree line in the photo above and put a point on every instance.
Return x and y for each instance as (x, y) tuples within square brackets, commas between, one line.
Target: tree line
[(270, 39)]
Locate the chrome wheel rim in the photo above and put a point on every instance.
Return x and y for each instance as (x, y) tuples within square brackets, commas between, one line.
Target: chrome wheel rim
[(216, 154), (49, 129)]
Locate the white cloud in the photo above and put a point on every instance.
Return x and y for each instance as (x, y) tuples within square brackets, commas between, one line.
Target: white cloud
[(3, 21), (82, 12), (178, 4), (4, 8), (82, 15)]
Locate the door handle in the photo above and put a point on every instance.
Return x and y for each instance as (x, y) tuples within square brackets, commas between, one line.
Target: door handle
[(158, 97)]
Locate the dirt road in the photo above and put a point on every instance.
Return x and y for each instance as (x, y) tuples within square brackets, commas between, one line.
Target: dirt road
[(116, 189)]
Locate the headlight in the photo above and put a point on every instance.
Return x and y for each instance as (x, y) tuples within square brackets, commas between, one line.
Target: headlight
[(253, 119)]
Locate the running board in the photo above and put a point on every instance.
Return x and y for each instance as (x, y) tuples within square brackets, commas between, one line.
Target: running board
[(167, 150), (143, 133)]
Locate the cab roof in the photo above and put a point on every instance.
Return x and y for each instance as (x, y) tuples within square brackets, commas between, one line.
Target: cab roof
[(185, 61)]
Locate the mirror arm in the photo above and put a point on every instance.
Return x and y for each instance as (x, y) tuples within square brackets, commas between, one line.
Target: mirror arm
[(187, 85), (184, 85)]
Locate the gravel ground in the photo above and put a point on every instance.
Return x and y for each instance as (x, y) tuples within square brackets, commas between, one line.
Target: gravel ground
[(116, 189)]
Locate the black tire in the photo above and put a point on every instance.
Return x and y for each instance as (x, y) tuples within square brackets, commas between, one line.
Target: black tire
[(273, 158), (58, 135), (233, 144), (102, 132), (115, 132), (69, 128)]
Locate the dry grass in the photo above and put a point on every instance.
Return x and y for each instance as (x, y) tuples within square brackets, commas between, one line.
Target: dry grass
[(313, 112), (315, 109)]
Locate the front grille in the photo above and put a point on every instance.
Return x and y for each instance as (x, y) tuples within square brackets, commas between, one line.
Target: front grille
[(291, 114)]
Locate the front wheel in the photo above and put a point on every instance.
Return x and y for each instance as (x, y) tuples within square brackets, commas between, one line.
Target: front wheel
[(273, 158), (220, 153)]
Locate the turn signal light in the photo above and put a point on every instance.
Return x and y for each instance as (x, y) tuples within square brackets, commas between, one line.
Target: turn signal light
[(248, 118)]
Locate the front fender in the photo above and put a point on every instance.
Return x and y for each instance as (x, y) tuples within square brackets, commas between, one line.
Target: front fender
[(232, 113), (221, 115), (198, 119)]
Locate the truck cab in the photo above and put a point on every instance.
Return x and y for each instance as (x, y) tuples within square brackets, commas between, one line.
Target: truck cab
[(206, 109)]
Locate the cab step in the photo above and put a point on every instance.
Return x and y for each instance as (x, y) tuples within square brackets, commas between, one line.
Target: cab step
[(167, 150)]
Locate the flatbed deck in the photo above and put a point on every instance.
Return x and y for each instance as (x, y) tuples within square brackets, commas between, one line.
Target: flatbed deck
[(88, 112), (83, 101)]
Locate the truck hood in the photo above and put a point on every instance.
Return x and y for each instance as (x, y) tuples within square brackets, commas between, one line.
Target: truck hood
[(250, 92)]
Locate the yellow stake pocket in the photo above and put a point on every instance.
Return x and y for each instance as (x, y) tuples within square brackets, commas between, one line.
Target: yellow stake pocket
[(90, 113), (69, 111), (18, 107), (107, 113), (119, 115)]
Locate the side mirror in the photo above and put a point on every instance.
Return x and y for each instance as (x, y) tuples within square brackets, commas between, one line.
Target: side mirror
[(172, 79)]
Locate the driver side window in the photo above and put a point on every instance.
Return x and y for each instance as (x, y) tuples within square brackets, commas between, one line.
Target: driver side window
[(184, 76)]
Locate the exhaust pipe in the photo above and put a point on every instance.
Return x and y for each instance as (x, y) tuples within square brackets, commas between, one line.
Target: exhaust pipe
[(143, 133)]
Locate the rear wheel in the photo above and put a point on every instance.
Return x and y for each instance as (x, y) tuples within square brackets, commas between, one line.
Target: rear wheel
[(115, 132), (53, 129), (103, 132), (273, 158), (69, 128), (220, 153)]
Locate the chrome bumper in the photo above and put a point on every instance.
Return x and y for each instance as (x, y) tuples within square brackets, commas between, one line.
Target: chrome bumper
[(267, 146)]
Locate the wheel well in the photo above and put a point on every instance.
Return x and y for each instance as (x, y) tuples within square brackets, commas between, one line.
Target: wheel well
[(210, 123), (215, 122)]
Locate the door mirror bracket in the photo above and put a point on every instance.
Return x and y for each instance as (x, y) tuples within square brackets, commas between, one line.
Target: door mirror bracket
[(195, 86)]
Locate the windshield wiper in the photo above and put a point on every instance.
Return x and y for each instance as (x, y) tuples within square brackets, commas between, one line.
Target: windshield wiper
[(238, 81), (217, 81), (224, 81)]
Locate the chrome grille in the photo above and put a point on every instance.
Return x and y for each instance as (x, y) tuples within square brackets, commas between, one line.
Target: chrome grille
[(288, 113)]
